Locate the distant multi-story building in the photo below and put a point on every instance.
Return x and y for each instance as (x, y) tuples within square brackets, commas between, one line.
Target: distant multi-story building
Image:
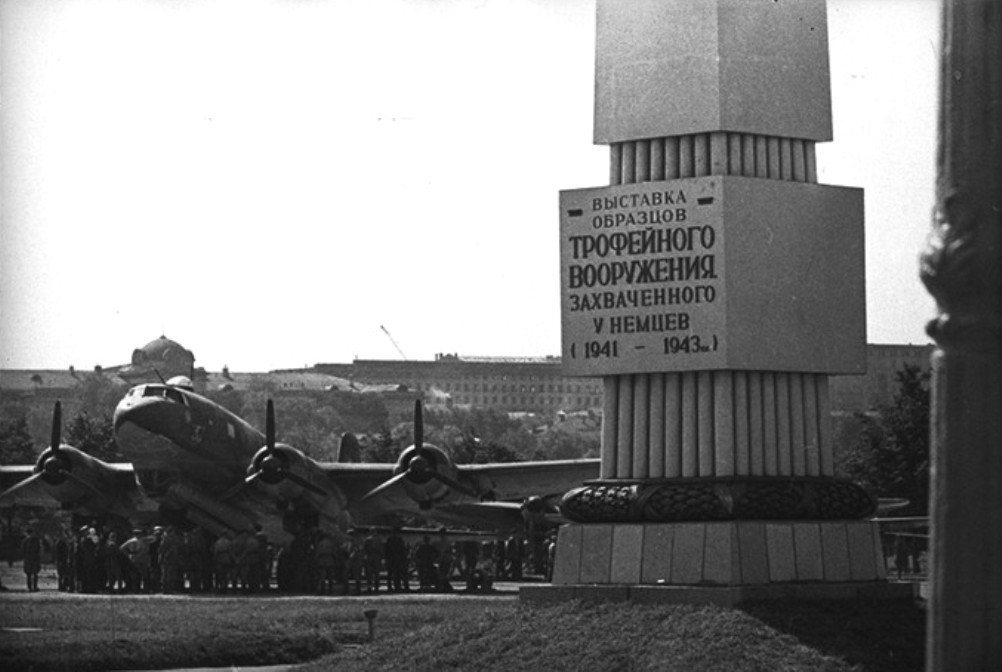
[(511, 384), (539, 384), (504, 383)]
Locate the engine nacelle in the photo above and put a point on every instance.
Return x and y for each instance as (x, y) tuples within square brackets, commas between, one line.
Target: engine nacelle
[(291, 476), (70, 475), (422, 465)]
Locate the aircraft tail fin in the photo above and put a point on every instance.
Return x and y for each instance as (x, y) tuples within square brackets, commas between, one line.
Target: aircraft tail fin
[(350, 450)]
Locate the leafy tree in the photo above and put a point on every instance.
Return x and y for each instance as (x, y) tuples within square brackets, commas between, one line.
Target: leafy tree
[(379, 447), (16, 446), (891, 454), (309, 424), (559, 444), (359, 412), (99, 396), (94, 436), (229, 398)]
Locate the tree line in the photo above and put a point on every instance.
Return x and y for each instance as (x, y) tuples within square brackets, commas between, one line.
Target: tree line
[(310, 421)]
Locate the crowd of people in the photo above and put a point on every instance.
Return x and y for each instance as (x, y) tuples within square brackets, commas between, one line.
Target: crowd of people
[(165, 559)]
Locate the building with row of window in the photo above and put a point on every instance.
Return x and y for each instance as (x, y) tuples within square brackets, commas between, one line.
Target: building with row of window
[(524, 384), (511, 384)]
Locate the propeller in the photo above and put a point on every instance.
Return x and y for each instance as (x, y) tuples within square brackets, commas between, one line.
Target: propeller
[(54, 465), (271, 464), (418, 464)]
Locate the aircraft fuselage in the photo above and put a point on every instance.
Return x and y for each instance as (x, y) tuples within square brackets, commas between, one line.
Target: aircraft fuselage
[(174, 435)]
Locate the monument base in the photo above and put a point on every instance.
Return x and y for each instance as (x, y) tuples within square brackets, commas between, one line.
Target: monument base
[(719, 562)]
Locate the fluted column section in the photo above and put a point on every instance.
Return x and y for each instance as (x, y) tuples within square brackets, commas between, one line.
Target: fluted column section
[(715, 423)]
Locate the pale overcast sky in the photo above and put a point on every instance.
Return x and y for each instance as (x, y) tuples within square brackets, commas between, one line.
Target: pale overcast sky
[(269, 182)]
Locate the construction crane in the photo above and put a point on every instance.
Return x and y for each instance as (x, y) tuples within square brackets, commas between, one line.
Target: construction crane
[(385, 331)]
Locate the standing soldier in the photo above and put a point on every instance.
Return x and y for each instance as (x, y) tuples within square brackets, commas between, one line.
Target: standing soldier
[(137, 554), (111, 556), (189, 564), (425, 556), (155, 541), (222, 563), (251, 563), (169, 557), (353, 554), (551, 554), (396, 562), (264, 550), (373, 554), (89, 561), (31, 551), (513, 553), (64, 560), (471, 556), (500, 562), (324, 558)]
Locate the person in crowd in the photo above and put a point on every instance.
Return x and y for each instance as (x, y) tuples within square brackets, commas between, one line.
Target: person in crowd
[(265, 562), (372, 550), (500, 561), (551, 554), (250, 563), (355, 559), (31, 552), (169, 561), (514, 556), (89, 562), (136, 550), (471, 557), (190, 573), (426, 558), (395, 550), (222, 563), (112, 559), (238, 547), (63, 553), (155, 573), (325, 560)]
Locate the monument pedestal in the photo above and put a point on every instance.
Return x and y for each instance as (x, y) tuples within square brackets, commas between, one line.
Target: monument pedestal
[(715, 286), (722, 563)]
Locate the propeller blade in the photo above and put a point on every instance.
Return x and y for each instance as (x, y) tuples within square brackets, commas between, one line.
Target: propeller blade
[(238, 488), (269, 426), (57, 426), (385, 485), (28, 481), (455, 485), (418, 425)]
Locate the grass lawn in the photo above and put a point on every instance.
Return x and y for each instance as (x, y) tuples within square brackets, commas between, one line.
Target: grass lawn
[(80, 632)]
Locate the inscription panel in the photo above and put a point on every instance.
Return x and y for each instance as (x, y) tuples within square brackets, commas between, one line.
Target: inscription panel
[(642, 277), (711, 273)]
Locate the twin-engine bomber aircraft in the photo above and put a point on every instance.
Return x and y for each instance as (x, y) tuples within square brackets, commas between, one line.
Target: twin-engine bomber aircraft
[(191, 459)]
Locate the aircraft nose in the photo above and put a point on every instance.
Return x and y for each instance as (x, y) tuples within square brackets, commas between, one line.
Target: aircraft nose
[(142, 413)]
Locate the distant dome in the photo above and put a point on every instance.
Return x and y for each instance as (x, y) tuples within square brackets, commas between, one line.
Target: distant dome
[(163, 350)]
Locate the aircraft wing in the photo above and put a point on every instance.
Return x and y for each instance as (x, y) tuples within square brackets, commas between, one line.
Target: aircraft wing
[(519, 480), (113, 492), (479, 495), (31, 493)]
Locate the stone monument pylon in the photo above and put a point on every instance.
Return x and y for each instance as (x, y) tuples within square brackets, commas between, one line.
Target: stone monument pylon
[(714, 285)]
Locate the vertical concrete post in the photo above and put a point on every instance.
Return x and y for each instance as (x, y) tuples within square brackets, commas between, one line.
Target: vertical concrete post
[(962, 269)]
